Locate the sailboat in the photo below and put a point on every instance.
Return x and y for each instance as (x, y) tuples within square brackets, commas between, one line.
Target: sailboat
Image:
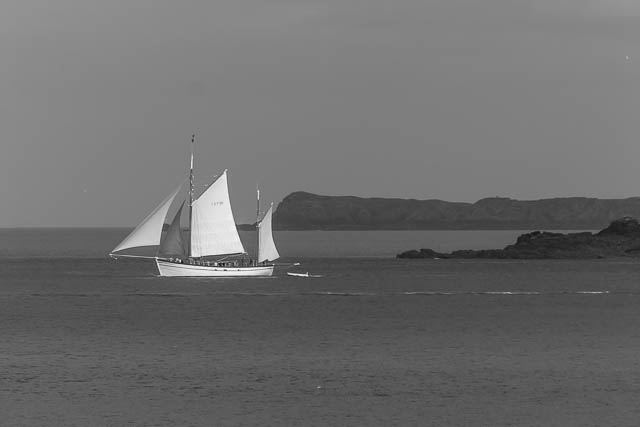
[(213, 247)]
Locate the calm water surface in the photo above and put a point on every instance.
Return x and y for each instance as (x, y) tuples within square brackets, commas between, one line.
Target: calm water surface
[(97, 242), (87, 340)]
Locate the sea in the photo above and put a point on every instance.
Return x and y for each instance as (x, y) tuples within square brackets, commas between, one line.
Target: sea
[(86, 340)]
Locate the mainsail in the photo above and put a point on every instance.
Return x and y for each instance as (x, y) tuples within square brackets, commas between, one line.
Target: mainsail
[(173, 243), (213, 229), (266, 247), (149, 231)]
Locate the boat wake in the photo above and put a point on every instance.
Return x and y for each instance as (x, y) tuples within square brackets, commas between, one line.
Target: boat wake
[(510, 293), (458, 293), (303, 275)]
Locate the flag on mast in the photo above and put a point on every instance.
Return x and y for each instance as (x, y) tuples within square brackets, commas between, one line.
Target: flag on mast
[(193, 137)]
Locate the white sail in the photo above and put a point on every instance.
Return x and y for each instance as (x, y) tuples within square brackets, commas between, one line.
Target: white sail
[(149, 231), (266, 247), (213, 229), (173, 243)]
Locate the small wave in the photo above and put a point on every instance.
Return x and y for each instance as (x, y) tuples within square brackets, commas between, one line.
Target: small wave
[(428, 293), (508, 293), (473, 293), (343, 294), (64, 295), (160, 294), (255, 294)]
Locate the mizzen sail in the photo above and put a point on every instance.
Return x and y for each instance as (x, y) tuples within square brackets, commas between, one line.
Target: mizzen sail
[(149, 231), (266, 247), (213, 229)]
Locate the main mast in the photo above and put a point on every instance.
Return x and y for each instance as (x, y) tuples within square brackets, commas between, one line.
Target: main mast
[(257, 224), (193, 137)]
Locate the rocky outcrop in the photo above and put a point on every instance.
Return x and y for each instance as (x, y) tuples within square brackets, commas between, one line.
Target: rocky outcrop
[(621, 238), (306, 211)]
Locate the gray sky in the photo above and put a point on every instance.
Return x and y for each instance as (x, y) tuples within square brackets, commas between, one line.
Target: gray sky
[(448, 99)]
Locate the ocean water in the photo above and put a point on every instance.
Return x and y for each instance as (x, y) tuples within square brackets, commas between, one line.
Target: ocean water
[(97, 242), (86, 340)]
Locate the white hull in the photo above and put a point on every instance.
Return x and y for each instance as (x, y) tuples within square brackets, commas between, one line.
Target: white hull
[(172, 269)]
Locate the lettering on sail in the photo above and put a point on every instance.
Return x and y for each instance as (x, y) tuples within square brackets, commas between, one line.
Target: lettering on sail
[(217, 203)]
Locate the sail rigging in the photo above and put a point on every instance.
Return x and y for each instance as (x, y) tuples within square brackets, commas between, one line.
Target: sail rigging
[(266, 246), (213, 228), (149, 231)]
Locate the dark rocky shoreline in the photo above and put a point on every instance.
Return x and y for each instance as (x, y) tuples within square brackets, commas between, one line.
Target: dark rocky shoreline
[(620, 239)]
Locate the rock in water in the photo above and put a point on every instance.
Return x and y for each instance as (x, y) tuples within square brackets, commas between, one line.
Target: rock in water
[(620, 238), (626, 226)]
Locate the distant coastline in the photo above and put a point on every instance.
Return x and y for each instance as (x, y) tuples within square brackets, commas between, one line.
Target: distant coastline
[(307, 211), (301, 211)]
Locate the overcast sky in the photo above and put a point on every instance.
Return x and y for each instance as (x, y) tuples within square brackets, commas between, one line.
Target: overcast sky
[(449, 99)]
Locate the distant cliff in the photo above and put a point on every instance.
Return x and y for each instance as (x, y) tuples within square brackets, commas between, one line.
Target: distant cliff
[(620, 239), (306, 211)]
